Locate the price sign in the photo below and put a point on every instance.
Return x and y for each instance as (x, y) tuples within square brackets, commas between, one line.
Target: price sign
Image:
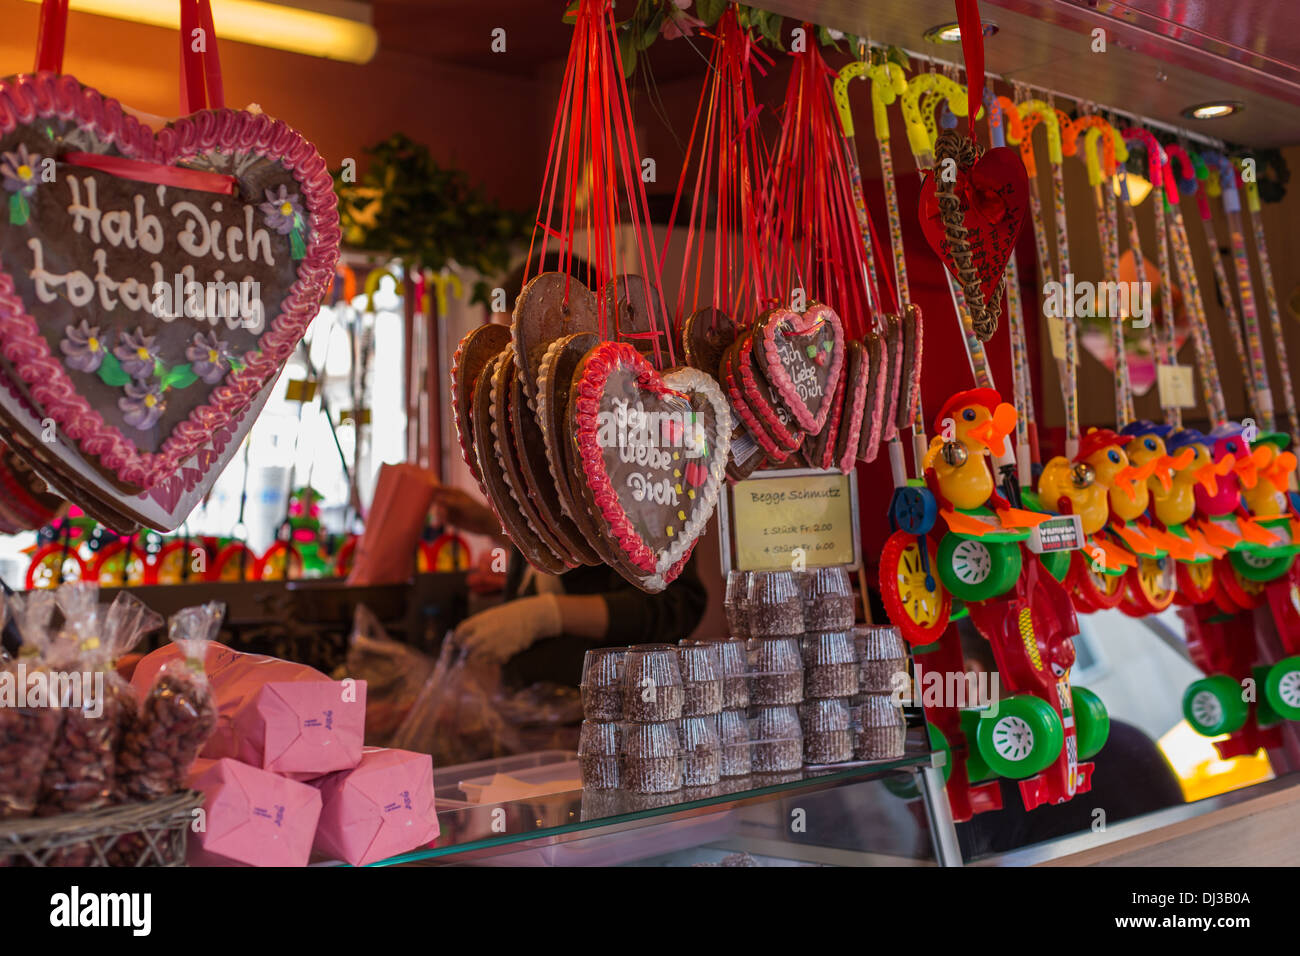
[(1175, 385), (778, 518)]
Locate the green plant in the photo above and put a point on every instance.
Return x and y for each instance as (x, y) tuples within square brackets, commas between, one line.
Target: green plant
[(426, 214), (652, 19)]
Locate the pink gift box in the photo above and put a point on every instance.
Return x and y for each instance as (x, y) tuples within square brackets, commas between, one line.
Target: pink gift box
[(382, 807), (303, 729), (252, 817)]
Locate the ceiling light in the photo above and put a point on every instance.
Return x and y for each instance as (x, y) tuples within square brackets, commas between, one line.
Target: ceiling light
[(951, 32), (1204, 111), (342, 32)]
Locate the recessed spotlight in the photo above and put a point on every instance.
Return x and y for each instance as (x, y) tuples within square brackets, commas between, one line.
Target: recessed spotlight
[(1204, 111), (951, 32)]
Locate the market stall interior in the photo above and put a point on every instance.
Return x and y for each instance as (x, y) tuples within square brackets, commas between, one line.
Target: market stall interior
[(654, 437)]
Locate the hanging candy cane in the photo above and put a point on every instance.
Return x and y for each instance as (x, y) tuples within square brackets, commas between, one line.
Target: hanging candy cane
[(1165, 335), (1003, 122), (1211, 386), (1258, 367), (1274, 314), (1037, 112), (921, 135), (1097, 132)]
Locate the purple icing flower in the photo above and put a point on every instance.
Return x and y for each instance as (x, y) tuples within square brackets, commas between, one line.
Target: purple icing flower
[(83, 347), (209, 357), (18, 169), (282, 209), (137, 354), (143, 405)]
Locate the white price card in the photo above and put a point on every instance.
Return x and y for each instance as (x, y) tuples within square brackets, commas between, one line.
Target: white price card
[(1176, 386)]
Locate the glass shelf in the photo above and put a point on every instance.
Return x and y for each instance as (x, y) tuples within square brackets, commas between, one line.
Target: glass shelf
[(469, 827)]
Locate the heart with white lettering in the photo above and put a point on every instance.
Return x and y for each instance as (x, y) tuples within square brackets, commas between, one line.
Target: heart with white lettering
[(802, 355), (153, 284), (653, 449)]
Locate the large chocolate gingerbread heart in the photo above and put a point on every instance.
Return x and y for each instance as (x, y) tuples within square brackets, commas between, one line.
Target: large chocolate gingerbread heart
[(803, 357), (153, 284), (653, 450)]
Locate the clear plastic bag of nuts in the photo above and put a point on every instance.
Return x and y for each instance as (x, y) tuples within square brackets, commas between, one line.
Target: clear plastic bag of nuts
[(28, 723), (178, 714), (80, 773)]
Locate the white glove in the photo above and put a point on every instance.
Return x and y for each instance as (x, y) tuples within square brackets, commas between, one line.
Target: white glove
[(501, 632)]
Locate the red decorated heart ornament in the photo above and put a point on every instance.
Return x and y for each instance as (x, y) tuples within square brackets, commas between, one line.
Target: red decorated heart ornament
[(147, 376), (993, 196)]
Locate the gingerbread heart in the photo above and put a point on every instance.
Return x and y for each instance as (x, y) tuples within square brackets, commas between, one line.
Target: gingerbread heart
[(653, 451), (971, 217), (164, 507), (876, 371), (479, 347), (551, 305), (153, 283), (803, 357)]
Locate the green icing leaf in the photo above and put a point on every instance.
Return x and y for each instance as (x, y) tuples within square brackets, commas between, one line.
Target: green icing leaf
[(181, 376), (110, 371)]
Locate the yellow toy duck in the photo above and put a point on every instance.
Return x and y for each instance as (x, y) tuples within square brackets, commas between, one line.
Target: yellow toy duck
[(1274, 465), (970, 425)]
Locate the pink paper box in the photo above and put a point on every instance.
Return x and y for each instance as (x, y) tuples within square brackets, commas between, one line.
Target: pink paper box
[(381, 808), (303, 729), (253, 817)]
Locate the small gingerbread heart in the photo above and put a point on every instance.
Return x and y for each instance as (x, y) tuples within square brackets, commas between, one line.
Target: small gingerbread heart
[(802, 355)]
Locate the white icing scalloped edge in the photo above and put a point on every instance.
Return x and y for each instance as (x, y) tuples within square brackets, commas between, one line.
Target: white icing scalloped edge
[(689, 379)]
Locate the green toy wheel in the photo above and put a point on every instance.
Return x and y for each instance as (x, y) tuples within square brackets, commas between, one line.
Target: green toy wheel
[(973, 569), (1213, 705), (1282, 688), (1091, 721), (1257, 566), (1023, 739), (977, 771), (1057, 563)]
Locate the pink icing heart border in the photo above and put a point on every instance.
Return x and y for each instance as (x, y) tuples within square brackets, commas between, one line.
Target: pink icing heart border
[(589, 387), (780, 378), (28, 97)]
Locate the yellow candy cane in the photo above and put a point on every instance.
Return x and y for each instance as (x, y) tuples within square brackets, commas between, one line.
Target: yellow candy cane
[(922, 130), (440, 281)]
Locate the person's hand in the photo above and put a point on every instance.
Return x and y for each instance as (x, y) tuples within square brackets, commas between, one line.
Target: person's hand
[(501, 632), (462, 510)]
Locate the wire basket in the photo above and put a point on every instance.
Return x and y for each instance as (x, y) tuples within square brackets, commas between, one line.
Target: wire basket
[(155, 835)]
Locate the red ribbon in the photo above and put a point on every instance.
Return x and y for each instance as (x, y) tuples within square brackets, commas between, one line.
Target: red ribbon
[(972, 51), (156, 173), (200, 71)]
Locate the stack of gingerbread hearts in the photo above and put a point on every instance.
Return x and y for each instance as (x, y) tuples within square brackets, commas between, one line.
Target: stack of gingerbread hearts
[(152, 287), (586, 451), (801, 393)]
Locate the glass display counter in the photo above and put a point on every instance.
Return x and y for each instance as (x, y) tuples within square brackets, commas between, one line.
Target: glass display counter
[(888, 812)]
